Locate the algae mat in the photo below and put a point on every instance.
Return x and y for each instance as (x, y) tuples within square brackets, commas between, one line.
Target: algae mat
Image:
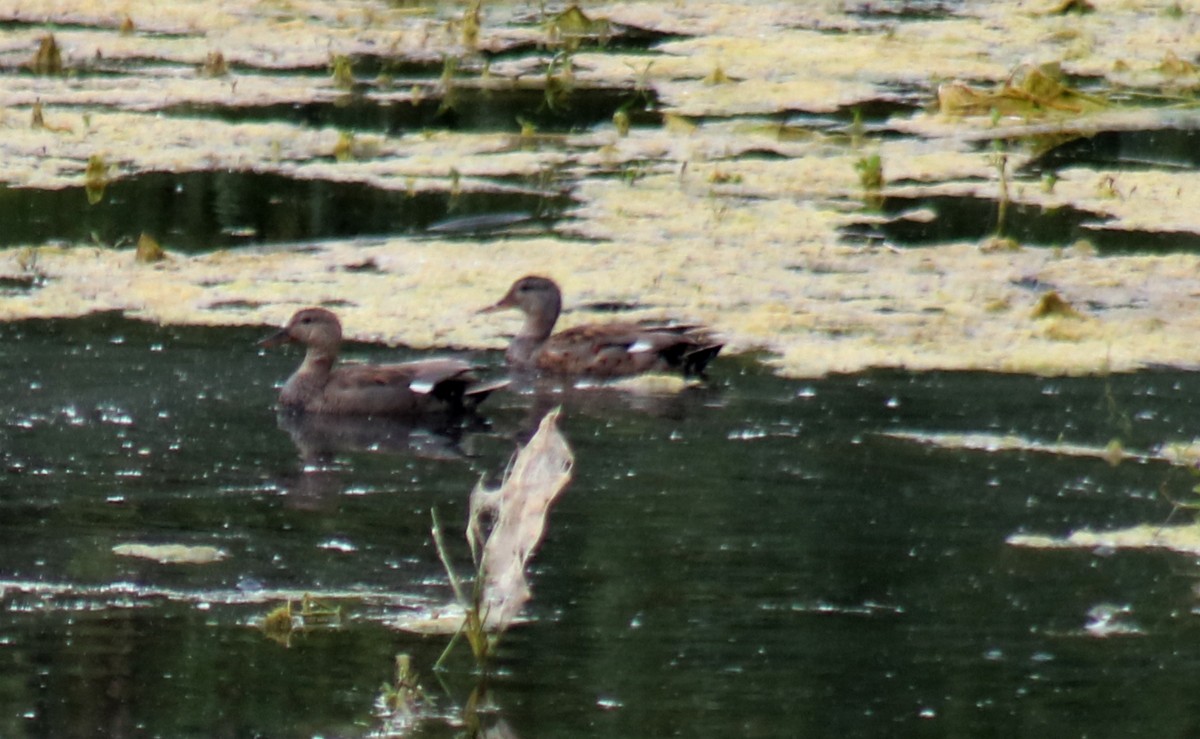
[(777, 130)]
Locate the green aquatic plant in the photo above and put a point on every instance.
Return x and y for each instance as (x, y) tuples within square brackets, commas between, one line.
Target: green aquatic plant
[(471, 24), (717, 76), (560, 82), (48, 57), (148, 250), (570, 28), (1030, 91), (722, 177), (342, 69), (403, 699), (857, 129), (621, 121), (870, 177), (214, 65), (999, 161), (95, 178), (343, 150), (1173, 66), (282, 622), (1051, 304), (448, 84), (474, 617)]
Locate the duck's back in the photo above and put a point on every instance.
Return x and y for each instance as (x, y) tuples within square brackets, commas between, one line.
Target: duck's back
[(393, 389), (608, 350)]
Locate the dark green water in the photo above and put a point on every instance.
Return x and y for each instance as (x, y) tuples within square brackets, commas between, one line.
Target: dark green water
[(750, 560)]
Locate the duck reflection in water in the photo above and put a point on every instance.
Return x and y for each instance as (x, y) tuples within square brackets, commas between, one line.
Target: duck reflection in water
[(319, 437), (322, 440)]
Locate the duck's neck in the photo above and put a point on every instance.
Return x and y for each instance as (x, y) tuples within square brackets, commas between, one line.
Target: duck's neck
[(523, 349), (311, 377)]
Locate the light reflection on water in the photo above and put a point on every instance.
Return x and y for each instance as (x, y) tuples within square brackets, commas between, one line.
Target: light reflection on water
[(729, 562)]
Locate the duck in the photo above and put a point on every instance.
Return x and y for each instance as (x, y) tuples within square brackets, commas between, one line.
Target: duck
[(596, 351), (409, 389)]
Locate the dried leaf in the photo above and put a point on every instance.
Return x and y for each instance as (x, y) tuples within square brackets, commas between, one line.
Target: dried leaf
[(518, 508), (171, 554), (1185, 538)]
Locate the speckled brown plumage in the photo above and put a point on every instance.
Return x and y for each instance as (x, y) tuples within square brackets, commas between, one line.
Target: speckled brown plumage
[(407, 389), (597, 350)]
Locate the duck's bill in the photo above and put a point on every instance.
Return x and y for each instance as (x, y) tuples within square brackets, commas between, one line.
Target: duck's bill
[(502, 305), (275, 339)]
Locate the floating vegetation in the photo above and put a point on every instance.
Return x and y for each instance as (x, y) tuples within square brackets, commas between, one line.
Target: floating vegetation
[(281, 623), (572, 27), (172, 553), (666, 173), (1029, 92)]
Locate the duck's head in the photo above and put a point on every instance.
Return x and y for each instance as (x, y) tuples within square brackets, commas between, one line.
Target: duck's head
[(313, 327), (533, 296)]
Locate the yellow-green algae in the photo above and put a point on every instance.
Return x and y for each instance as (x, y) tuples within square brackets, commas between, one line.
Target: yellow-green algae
[(748, 245)]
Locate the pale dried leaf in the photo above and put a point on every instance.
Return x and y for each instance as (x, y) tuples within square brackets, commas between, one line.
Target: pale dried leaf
[(541, 471), (171, 553), (1184, 539)]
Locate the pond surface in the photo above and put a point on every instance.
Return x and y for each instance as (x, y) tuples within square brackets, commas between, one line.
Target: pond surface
[(754, 558)]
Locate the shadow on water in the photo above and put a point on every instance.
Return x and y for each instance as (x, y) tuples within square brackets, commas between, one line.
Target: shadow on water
[(199, 211), (468, 109), (754, 556), (1153, 149), (942, 219)]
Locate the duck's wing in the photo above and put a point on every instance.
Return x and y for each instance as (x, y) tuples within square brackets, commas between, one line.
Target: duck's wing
[(407, 388), (452, 381), (618, 349)]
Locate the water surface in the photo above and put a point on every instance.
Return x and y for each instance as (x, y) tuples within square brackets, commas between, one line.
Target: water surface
[(750, 559)]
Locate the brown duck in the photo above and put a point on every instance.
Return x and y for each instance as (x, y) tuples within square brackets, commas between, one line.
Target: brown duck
[(407, 389), (597, 350)]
